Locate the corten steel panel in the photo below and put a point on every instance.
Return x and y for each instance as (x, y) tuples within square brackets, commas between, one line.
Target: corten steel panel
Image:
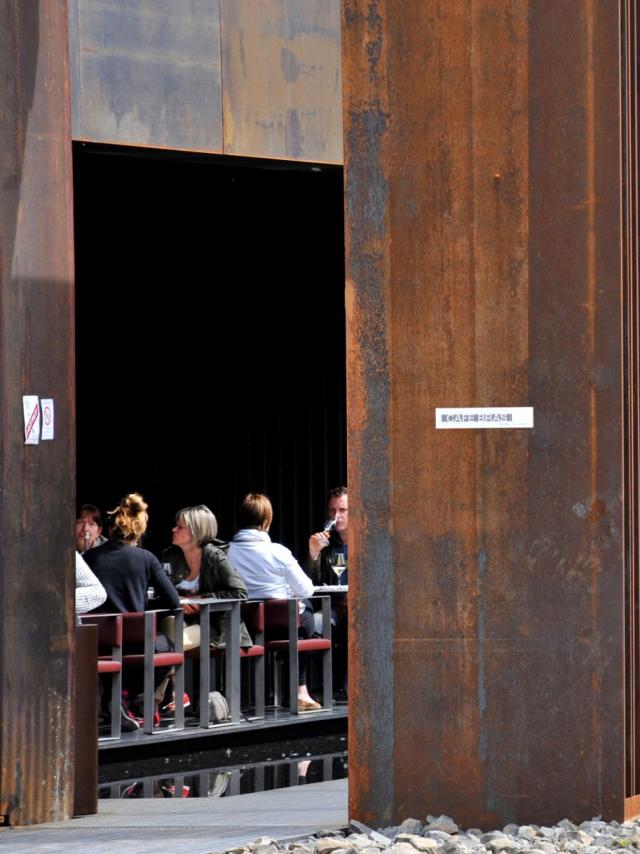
[(85, 790), (482, 159), (630, 27), (575, 535), (36, 357), (281, 76), (147, 72)]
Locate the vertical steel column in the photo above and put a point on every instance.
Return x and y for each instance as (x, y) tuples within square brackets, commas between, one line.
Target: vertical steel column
[(630, 33), (36, 358), (483, 207)]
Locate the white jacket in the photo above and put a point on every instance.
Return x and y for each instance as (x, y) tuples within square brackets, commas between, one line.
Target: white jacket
[(268, 569), (89, 591)]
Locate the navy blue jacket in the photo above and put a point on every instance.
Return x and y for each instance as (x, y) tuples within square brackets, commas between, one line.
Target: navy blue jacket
[(126, 572)]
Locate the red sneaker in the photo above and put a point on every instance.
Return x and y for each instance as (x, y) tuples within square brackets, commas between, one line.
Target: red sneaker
[(171, 707)]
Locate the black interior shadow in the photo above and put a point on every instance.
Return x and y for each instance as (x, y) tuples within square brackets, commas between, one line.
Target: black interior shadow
[(210, 336)]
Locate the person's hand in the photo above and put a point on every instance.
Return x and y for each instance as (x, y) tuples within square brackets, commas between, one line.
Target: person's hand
[(191, 609), (317, 542)]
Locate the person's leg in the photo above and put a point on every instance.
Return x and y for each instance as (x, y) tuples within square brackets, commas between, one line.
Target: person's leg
[(306, 630)]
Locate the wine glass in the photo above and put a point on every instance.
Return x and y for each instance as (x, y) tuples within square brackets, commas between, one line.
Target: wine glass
[(338, 565)]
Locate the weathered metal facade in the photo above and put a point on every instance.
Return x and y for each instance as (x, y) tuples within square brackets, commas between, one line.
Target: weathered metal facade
[(259, 79), (492, 259), (485, 208), (36, 357)]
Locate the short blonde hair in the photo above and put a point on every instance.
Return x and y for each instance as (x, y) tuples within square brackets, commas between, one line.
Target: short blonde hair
[(129, 519), (255, 512), (200, 521)]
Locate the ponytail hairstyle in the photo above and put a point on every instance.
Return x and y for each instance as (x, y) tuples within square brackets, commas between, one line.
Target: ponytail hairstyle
[(129, 519)]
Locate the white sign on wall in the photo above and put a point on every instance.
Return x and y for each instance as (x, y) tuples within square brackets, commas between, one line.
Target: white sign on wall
[(31, 411), (47, 409), (483, 417)]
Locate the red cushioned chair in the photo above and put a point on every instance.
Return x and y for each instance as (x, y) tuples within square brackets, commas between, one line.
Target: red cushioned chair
[(109, 660), (282, 619), (139, 630)]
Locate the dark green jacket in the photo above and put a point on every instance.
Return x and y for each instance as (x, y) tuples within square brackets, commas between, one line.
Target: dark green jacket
[(218, 579)]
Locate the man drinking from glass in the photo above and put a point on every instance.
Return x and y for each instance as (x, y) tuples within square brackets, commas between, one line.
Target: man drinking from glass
[(327, 563)]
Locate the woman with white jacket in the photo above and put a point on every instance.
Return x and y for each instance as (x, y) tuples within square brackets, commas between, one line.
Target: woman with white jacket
[(270, 571)]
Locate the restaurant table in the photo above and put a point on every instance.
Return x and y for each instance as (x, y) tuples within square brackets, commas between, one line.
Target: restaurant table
[(321, 589), (231, 609)]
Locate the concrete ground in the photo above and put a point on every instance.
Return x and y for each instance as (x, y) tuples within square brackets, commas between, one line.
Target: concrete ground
[(187, 826)]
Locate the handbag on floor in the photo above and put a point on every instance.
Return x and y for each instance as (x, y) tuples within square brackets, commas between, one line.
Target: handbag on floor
[(218, 708)]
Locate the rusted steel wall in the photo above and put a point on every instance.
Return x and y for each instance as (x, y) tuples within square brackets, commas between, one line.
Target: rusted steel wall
[(36, 357), (482, 166), (282, 82), (259, 78), (147, 72)]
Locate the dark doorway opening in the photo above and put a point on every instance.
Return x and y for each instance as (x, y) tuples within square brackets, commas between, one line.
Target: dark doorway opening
[(209, 335)]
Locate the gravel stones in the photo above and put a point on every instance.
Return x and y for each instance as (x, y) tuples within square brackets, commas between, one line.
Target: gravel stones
[(420, 843), (442, 823), (441, 835), (331, 843), (401, 848), (410, 825)]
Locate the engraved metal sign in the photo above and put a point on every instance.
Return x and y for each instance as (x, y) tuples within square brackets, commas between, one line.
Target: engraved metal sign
[(483, 417)]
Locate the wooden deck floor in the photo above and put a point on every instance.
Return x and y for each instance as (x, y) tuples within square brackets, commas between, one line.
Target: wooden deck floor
[(196, 825)]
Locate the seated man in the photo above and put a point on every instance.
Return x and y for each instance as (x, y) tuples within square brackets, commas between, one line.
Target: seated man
[(323, 546)]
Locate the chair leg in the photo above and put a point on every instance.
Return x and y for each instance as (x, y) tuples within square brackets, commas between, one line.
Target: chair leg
[(276, 670), (148, 708), (294, 671), (116, 702), (188, 677), (294, 663), (178, 720), (258, 683), (149, 697), (247, 700), (178, 715), (327, 680), (204, 685), (327, 670)]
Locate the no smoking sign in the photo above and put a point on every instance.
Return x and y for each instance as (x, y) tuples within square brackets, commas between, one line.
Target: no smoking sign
[(47, 418)]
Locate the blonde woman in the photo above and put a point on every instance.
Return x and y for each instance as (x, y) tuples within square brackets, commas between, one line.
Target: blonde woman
[(200, 568)]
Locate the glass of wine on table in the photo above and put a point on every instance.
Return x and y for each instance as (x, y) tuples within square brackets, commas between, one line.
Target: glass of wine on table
[(338, 565)]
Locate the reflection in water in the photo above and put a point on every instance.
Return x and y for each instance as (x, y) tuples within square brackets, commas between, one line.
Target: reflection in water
[(228, 772)]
